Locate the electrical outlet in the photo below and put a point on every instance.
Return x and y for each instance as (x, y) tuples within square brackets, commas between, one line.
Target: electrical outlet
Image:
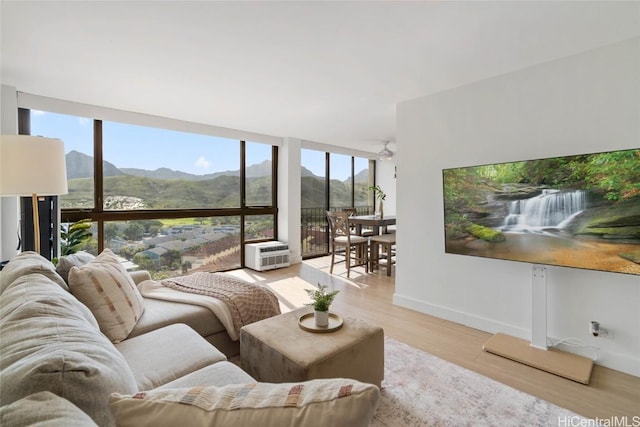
[(594, 328), (598, 331)]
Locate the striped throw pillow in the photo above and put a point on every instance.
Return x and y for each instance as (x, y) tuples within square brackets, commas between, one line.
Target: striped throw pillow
[(105, 287), (320, 402)]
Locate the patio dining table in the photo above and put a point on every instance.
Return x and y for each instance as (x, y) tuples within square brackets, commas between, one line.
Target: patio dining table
[(377, 223)]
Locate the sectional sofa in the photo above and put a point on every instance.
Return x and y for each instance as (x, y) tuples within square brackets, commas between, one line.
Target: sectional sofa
[(66, 360)]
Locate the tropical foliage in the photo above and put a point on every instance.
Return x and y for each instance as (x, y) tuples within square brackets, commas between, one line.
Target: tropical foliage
[(616, 173), (74, 236), (377, 191)]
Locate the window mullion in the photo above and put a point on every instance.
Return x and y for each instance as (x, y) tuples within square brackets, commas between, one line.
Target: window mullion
[(98, 181), (353, 182), (243, 196), (274, 189)]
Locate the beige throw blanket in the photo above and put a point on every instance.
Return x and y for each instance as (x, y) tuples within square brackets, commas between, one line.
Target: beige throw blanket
[(246, 302)]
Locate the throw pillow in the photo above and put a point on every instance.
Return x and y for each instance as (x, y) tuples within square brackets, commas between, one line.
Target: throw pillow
[(331, 402), (107, 289), (74, 260)]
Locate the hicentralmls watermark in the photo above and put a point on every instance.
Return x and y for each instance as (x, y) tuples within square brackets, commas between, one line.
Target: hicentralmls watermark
[(576, 421)]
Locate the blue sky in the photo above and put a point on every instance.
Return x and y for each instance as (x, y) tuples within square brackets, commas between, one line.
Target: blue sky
[(130, 146)]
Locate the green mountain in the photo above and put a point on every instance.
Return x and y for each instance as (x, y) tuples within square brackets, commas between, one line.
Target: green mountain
[(362, 176), (253, 171), (80, 165), (313, 192), (166, 173), (223, 191), (305, 172), (163, 188)]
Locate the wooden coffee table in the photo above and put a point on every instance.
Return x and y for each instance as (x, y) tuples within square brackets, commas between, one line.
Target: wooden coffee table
[(277, 350)]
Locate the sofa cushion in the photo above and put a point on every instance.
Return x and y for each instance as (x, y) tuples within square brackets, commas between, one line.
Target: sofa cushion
[(331, 402), (50, 342), (166, 354), (159, 313), (106, 288), (218, 375), (65, 263), (46, 409), (27, 263)]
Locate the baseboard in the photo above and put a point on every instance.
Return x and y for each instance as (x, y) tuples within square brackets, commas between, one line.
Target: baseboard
[(295, 259), (619, 362), (473, 321)]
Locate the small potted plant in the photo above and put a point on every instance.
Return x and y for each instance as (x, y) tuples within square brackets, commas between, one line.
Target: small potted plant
[(321, 302)]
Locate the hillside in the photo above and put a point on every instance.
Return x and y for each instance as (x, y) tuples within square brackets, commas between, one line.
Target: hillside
[(253, 171), (80, 165), (362, 176), (164, 188), (313, 193)]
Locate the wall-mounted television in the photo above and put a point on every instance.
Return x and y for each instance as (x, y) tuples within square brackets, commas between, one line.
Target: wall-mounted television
[(580, 211)]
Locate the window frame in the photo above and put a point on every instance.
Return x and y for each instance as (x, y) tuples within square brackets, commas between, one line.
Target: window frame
[(327, 195), (99, 215)]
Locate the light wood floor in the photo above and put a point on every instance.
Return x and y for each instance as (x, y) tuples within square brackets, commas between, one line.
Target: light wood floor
[(369, 296)]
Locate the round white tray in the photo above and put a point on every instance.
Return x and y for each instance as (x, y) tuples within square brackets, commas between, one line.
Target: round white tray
[(308, 323)]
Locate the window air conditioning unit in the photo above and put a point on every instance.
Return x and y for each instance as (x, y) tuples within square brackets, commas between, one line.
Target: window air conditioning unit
[(266, 255)]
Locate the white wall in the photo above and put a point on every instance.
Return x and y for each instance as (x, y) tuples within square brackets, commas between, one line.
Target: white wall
[(385, 177), (289, 197), (580, 104)]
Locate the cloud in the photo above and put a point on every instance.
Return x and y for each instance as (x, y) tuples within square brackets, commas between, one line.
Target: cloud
[(202, 163), (38, 113)]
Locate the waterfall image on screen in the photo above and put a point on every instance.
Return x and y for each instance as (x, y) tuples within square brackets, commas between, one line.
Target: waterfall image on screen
[(552, 208), (578, 211)]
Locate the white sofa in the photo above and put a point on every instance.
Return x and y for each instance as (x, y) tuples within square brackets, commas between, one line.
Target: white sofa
[(58, 367)]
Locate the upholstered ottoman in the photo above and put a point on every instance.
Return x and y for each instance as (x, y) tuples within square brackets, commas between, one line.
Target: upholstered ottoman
[(277, 350)]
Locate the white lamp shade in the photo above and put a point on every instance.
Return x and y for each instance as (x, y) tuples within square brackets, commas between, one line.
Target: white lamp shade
[(32, 165)]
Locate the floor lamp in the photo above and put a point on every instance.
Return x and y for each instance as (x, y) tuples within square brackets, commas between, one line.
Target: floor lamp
[(32, 166)]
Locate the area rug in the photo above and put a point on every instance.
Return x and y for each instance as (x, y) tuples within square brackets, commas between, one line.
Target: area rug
[(420, 389)]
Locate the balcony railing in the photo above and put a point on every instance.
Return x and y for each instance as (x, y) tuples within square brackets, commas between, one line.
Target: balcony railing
[(315, 229)]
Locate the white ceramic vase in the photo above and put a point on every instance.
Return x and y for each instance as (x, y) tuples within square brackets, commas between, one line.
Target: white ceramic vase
[(321, 318)]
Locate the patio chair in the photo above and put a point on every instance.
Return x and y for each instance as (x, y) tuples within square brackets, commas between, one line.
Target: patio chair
[(383, 249), (355, 249), (364, 231)]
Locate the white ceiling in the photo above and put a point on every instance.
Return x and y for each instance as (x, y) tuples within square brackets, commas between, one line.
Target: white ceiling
[(329, 72)]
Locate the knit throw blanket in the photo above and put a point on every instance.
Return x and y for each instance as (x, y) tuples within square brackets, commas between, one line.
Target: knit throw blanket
[(247, 302)]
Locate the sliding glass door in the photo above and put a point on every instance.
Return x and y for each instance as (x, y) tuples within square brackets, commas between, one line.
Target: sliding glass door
[(331, 181)]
